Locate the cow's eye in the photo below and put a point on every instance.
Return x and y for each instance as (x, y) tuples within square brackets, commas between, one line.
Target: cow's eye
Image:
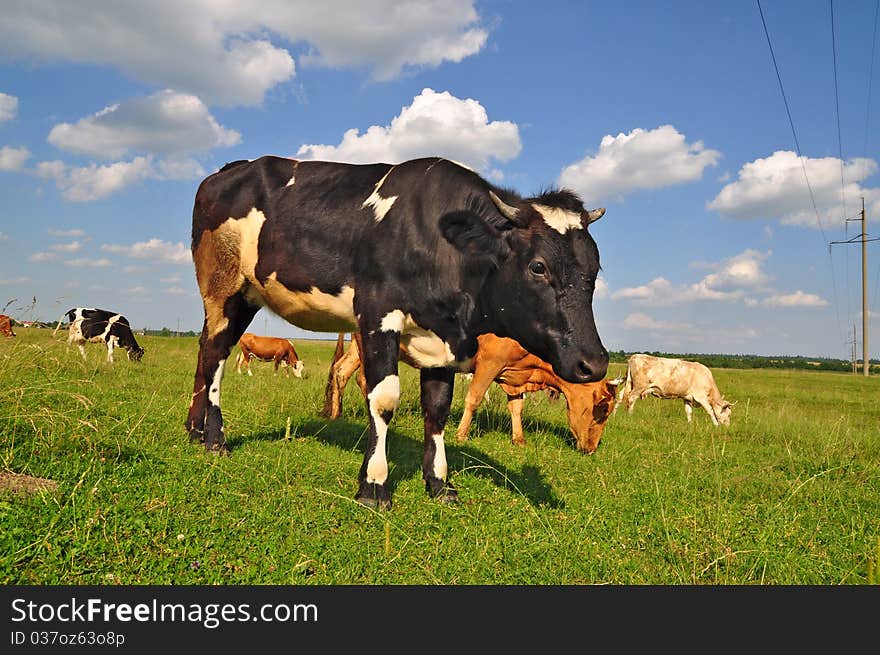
[(537, 267)]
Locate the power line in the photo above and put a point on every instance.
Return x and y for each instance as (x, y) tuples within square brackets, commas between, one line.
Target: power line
[(840, 159), (837, 108), (804, 168), (870, 79), (791, 122)]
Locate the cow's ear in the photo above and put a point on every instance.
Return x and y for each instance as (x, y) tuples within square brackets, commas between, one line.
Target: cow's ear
[(473, 236)]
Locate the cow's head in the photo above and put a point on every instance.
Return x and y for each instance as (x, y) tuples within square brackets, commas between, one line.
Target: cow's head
[(589, 406), (135, 353), (298, 368), (544, 264), (722, 412)]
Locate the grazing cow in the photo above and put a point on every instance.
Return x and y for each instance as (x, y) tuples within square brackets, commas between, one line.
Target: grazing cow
[(517, 371), (6, 326), (664, 377), (425, 253), (99, 325), (268, 349)]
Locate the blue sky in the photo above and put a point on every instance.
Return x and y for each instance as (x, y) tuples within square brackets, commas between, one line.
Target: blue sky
[(669, 114)]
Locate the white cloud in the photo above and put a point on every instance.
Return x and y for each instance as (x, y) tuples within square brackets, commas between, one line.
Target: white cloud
[(73, 246), (601, 291), (175, 291), (639, 321), (774, 188), (13, 159), (155, 249), (642, 159), (88, 262), (172, 279), (796, 299), (138, 291), (63, 234), (43, 257), (730, 279), (8, 107), (434, 124), (233, 53), (86, 183), (4, 237), (676, 334), (14, 280), (166, 123)]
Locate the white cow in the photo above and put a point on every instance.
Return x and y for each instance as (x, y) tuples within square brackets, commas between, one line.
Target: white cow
[(674, 378)]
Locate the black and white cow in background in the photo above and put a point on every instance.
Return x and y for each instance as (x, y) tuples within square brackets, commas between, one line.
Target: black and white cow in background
[(99, 325), (424, 253)]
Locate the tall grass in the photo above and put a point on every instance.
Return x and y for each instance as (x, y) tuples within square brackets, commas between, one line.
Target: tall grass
[(788, 494)]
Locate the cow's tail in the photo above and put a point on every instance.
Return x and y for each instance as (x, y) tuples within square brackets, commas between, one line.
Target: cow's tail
[(331, 376), (58, 325)]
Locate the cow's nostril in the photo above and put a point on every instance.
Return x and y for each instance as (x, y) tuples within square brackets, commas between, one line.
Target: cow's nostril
[(584, 368)]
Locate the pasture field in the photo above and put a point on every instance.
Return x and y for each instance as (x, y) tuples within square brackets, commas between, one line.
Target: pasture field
[(789, 494)]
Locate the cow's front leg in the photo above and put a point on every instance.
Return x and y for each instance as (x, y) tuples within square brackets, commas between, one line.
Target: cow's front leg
[(515, 407), (379, 355), (436, 396)]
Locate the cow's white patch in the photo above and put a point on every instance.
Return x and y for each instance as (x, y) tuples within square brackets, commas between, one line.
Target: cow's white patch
[(291, 181), (393, 321), (298, 369), (440, 466), (383, 398), (559, 219), (311, 310), (214, 391), (380, 205), (424, 347)]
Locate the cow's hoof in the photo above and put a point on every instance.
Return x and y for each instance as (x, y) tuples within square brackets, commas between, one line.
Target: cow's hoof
[(373, 495), (442, 491), (218, 449), (196, 436)]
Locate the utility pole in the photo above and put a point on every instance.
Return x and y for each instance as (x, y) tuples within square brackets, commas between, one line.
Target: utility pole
[(865, 296), (852, 355), (864, 241)]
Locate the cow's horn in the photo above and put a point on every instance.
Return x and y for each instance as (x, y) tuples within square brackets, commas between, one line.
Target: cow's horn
[(594, 215), (508, 211)]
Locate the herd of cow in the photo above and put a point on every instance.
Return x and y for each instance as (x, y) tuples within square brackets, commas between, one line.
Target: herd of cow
[(424, 262)]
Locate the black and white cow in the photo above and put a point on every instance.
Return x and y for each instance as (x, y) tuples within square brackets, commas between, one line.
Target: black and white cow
[(99, 325), (424, 253)]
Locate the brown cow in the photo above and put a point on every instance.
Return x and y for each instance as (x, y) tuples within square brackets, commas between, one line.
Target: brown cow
[(6, 326), (268, 349), (517, 371)]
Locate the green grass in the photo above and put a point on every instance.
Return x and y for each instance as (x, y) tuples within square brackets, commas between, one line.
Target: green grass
[(788, 494)]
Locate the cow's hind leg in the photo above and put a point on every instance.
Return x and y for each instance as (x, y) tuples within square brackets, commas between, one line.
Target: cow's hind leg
[(688, 410), (436, 397), (380, 352), (219, 335)]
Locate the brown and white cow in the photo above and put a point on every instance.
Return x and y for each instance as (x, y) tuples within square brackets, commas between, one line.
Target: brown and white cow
[(665, 377), (505, 361), (268, 349), (6, 326)]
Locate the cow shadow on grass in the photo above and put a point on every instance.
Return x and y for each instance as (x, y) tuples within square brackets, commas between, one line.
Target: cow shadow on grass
[(405, 453), (490, 420)]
